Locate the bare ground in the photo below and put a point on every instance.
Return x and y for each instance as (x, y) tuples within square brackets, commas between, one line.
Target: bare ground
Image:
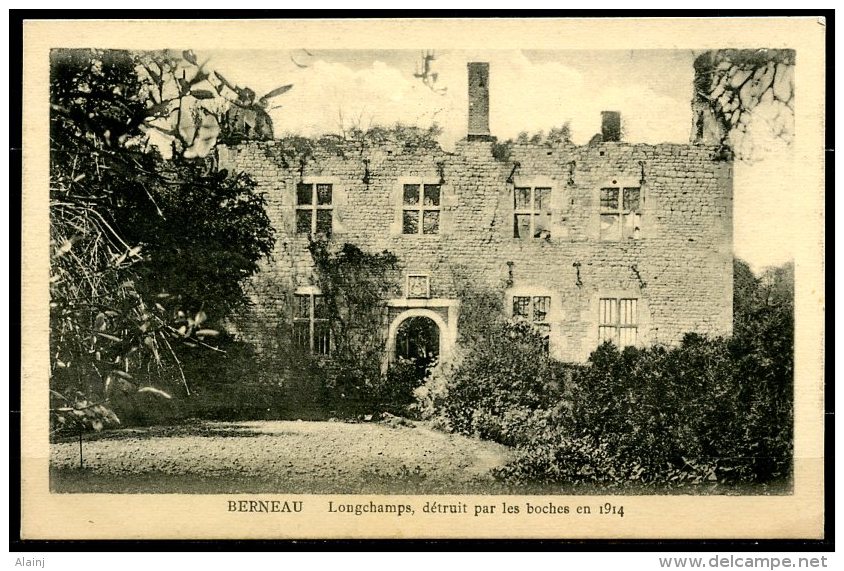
[(278, 457)]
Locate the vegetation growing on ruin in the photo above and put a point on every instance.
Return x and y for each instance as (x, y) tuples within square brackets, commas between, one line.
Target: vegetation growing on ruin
[(502, 150), (408, 136), (354, 285), (709, 411), (294, 151)]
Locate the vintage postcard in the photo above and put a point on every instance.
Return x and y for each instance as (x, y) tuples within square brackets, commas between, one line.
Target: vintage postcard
[(423, 278)]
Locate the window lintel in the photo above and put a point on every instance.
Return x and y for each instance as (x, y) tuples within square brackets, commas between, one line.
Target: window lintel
[(308, 290), (536, 181), (422, 179), (620, 182)]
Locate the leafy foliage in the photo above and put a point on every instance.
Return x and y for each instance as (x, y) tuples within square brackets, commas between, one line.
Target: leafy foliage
[(206, 231), (142, 248), (556, 136), (409, 136), (77, 414), (395, 392), (763, 337), (192, 106), (664, 417), (501, 375), (354, 284), (708, 411)]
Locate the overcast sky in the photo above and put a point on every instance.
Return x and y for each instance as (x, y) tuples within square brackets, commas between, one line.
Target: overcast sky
[(529, 91)]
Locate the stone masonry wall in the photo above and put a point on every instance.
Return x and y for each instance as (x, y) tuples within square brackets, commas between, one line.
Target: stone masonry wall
[(680, 267)]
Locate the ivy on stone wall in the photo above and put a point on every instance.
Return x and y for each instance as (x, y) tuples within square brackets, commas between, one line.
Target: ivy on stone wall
[(355, 284)]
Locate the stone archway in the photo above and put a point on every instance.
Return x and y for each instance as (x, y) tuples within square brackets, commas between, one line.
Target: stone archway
[(444, 332), (418, 342), (418, 337)]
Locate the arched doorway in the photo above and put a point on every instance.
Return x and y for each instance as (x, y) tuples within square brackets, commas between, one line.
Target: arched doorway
[(417, 339), (446, 332)]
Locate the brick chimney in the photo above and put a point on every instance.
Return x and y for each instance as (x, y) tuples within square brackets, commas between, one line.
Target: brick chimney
[(479, 102), (611, 126)]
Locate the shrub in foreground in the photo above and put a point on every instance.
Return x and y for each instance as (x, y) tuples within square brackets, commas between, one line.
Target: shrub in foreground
[(707, 410), (664, 416), (500, 382)]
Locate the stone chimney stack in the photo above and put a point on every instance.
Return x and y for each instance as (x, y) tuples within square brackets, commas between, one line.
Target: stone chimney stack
[(611, 126), (479, 102)]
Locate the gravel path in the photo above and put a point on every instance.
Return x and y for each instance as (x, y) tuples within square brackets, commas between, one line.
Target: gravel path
[(278, 456)]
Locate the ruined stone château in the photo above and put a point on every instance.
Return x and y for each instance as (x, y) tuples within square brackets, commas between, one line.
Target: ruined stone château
[(611, 240)]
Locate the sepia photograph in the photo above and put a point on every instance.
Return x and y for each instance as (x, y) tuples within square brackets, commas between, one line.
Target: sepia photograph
[(398, 279)]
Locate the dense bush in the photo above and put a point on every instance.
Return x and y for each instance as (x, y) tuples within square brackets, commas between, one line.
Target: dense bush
[(500, 381), (227, 384), (395, 392), (707, 410), (664, 416), (150, 244), (350, 391), (430, 398)]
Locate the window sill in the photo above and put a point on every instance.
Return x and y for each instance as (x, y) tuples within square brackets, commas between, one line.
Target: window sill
[(549, 242), (306, 236)]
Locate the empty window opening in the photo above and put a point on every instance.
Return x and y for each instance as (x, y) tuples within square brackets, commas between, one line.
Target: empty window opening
[(535, 309), (618, 320), (311, 325), (531, 212), (314, 208), (421, 209), (621, 217)]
